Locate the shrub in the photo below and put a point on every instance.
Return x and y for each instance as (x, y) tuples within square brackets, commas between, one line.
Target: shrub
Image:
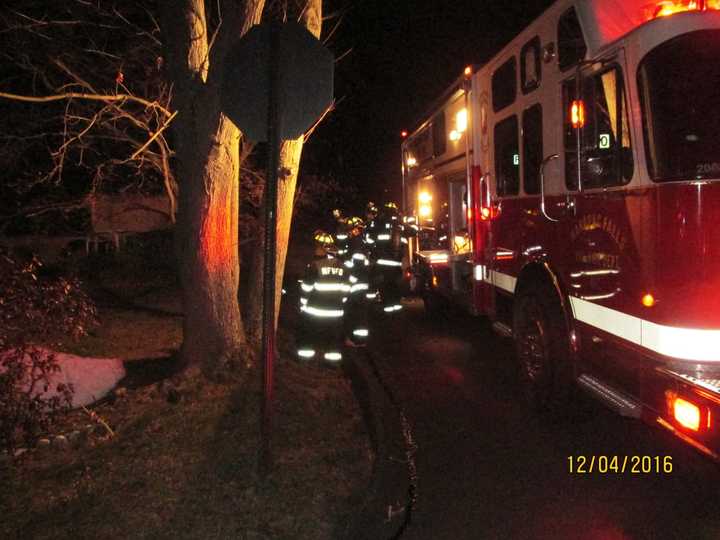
[(34, 308)]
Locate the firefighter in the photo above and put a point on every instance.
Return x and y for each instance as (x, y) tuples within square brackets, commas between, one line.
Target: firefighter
[(341, 233), (371, 212), (387, 256), (324, 291), (358, 261), (370, 231)]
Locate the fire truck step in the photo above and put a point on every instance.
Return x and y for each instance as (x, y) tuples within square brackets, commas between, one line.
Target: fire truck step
[(613, 398), (502, 329)]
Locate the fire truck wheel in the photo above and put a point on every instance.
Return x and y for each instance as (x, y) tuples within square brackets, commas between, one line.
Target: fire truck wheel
[(542, 350)]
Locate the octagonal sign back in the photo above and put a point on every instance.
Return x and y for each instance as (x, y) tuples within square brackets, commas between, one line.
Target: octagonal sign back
[(305, 81)]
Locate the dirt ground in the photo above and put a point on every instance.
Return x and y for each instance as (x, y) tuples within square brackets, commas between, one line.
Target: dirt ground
[(163, 460)]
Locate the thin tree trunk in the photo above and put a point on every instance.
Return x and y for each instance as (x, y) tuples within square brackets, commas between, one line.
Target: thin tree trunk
[(290, 155)]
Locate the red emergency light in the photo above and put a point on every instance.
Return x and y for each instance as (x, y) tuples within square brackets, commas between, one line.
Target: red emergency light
[(687, 413), (671, 7)]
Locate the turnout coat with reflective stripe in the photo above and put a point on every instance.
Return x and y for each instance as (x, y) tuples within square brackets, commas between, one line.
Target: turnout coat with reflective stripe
[(387, 235), (325, 287)]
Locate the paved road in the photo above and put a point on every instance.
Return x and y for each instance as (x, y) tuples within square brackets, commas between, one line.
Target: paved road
[(488, 467)]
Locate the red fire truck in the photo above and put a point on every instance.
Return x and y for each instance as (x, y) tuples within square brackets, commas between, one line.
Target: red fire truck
[(569, 189)]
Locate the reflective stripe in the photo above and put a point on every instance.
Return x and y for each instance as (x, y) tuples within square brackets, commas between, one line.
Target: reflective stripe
[(303, 301), (353, 279), (371, 296), (306, 353), (387, 262), (404, 240), (319, 312), (383, 237), (683, 343), (333, 356), (307, 288), (387, 225), (602, 272), (341, 236), (389, 309), (332, 287), (505, 282), (349, 264), (362, 332), (359, 256), (359, 287)]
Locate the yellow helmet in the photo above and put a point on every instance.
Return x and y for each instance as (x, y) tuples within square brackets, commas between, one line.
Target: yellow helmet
[(323, 238), (391, 205), (355, 221)]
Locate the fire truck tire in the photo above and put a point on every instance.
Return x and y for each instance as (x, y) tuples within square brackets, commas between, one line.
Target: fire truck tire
[(542, 349)]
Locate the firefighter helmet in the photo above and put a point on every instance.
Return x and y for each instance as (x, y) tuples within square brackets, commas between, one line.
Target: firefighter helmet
[(355, 225), (322, 238), (372, 209), (355, 221), (337, 213), (390, 211)]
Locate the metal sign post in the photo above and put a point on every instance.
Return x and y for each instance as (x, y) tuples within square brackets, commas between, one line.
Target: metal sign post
[(268, 328), (278, 81)]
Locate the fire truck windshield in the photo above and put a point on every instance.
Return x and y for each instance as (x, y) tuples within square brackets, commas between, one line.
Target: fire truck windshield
[(680, 96)]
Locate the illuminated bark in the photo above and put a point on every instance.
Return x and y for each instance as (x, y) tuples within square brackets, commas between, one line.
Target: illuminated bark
[(207, 149), (290, 155)]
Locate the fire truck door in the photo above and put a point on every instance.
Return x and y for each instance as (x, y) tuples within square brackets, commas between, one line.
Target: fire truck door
[(598, 161)]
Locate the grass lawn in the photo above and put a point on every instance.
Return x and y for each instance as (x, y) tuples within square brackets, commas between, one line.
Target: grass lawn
[(182, 460)]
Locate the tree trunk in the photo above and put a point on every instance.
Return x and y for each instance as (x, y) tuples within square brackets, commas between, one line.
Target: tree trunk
[(207, 145), (207, 243), (290, 154)]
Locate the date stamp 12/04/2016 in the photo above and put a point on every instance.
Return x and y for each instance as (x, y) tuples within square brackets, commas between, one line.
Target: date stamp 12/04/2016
[(620, 464)]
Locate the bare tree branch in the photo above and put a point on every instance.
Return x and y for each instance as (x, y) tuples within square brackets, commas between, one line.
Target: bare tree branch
[(91, 97)]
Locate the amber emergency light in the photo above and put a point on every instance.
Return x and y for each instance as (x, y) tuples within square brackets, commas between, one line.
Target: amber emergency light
[(577, 114)]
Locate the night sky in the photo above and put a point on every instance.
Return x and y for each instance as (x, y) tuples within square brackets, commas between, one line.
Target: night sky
[(403, 55)]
